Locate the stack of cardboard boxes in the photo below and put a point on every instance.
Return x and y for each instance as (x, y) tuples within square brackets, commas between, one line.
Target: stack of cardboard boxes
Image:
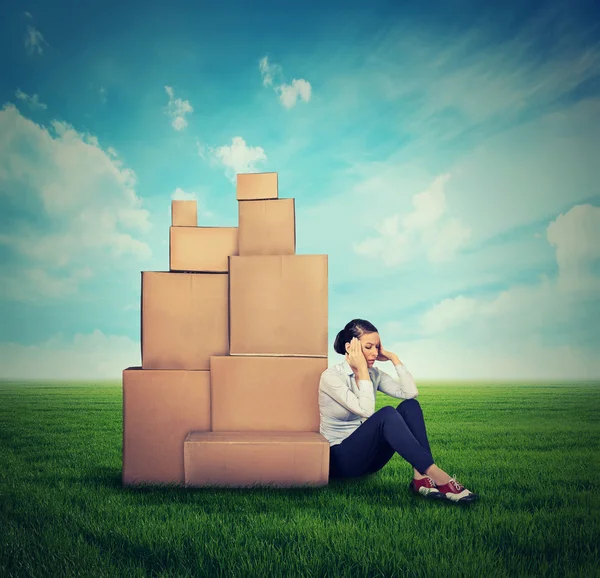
[(234, 340)]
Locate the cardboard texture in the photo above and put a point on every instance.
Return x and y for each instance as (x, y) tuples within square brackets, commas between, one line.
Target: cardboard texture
[(278, 305), (265, 393), (267, 227), (202, 249), (244, 459), (160, 408), (256, 186), (233, 340), (184, 319), (184, 213)]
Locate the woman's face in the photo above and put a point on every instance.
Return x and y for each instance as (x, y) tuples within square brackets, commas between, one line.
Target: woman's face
[(370, 344)]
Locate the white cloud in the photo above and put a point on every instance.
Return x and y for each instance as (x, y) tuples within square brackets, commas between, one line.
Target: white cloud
[(289, 94), (30, 284), (177, 109), (33, 101), (34, 41), (423, 228), (510, 319), (181, 195), (83, 200), (576, 236), (102, 93), (238, 157), (86, 356), (268, 70)]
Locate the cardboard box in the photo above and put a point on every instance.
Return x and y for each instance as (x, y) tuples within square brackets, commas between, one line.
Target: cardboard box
[(267, 227), (184, 319), (278, 305), (160, 408), (202, 249), (256, 186), (265, 393), (184, 213), (244, 459)]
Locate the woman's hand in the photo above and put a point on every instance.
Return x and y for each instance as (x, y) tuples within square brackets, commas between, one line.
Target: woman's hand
[(356, 358), (387, 356)]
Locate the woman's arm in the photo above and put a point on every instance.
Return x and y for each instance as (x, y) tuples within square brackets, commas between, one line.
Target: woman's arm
[(335, 387), (402, 388)]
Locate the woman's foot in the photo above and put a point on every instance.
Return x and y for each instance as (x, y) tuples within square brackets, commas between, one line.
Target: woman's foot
[(438, 475), (449, 487), (425, 486), (456, 492)]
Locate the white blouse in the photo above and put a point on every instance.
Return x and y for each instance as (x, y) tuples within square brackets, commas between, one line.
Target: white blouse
[(344, 406)]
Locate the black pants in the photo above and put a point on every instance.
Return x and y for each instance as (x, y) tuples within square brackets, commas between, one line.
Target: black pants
[(374, 442)]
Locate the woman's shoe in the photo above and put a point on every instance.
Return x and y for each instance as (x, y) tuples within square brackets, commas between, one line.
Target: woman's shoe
[(456, 492), (425, 487)]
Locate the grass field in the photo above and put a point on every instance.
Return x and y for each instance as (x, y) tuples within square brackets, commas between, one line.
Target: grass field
[(530, 451)]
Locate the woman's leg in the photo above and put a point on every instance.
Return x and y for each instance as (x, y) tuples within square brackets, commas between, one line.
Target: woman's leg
[(411, 411), (384, 433)]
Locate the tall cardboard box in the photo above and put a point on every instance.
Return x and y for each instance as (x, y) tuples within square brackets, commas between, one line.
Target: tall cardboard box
[(257, 186), (265, 393), (160, 408), (184, 213), (232, 350), (256, 459), (184, 319), (202, 249), (267, 227), (278, 305)]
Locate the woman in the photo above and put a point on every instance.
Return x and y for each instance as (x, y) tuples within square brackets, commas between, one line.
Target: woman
[(363, 440)]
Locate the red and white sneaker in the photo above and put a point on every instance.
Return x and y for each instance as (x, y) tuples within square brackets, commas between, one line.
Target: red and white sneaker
[(425, 487), (456, 492)]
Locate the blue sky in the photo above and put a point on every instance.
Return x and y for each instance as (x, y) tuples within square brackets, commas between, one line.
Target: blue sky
[(445, 157)]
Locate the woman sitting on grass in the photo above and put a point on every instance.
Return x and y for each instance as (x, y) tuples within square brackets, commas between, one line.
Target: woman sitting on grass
[(363, 440)]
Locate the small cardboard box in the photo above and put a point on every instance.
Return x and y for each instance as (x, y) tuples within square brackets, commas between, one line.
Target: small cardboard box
[(278, 305), (246, 459), (265, 393), (184, 319), (256, 186), (160, 408), (184, 213), (267, 227), (202, 249)]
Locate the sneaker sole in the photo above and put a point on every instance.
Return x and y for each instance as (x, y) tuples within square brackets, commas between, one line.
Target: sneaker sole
[(467, 499), (430, 496)]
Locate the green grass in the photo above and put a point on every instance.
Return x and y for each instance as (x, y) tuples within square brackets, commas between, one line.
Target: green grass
[(530, 451)]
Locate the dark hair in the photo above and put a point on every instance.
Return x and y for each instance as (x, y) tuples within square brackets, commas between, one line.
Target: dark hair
[(355, 328)]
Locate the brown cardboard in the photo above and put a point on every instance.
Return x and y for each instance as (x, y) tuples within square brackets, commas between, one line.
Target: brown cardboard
[(202, 249), (244, 459), (267, 227), (184, 213), (256, 186), (160, 408), (265, 393), (184, 319), (278, 305)]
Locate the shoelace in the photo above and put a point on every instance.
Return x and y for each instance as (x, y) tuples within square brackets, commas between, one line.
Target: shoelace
[(456, 484)]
